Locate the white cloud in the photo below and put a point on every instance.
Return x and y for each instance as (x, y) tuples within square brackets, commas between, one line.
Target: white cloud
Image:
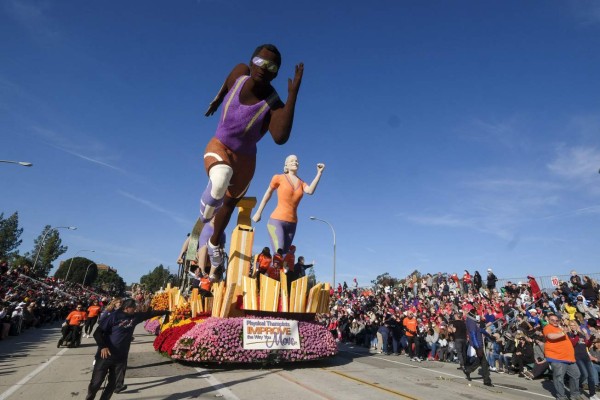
[(101, 155), (177, 218), (508, 133), (498, 206), (579, 165)]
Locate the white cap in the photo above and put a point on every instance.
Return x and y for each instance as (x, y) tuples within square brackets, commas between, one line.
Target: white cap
[(489, 270)]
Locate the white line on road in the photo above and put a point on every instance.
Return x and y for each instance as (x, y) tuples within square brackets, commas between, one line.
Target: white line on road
[(28, 377), (214, 382)]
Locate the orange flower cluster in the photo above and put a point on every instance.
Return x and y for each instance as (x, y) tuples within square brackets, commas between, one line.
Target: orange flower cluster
[(182, 312), (160, 301)]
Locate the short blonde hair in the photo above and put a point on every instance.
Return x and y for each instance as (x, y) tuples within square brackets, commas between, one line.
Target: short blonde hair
[(285, 168)]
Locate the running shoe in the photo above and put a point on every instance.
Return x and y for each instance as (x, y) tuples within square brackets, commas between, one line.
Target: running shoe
[(215, 254)]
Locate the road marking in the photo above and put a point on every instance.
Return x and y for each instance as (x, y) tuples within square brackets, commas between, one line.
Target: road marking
[(406, 396), (29, 376), (303, 386), (214, 382), (416, 365)]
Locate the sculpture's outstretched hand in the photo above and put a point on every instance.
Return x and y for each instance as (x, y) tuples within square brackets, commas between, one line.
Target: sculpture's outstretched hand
[(294, 85)]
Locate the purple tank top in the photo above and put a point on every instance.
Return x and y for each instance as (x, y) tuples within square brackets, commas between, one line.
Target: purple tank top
[(240, 125)]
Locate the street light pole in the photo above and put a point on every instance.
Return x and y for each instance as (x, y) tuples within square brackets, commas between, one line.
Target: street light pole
[(72, 228), (86, 271), (333, 231), (71, 263), (22, 163)]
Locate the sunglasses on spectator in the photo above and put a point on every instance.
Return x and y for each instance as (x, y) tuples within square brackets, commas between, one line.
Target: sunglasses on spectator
[(268, 65)]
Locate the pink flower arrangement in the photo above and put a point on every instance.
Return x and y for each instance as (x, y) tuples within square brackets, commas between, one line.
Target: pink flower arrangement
[(152, 326), (220, 340)]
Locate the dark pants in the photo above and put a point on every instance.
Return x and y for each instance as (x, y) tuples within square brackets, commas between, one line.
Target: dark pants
[(519, 362), (540, 369), (480, 361), (115, 371), (461, 350), (70, 333), (89, 325), (412, 346)]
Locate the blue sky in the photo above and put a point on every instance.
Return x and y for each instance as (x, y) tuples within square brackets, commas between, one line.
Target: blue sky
[(456, 134)]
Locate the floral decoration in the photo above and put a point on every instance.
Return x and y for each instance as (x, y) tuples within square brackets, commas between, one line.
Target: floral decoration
[(220, 340), (153, 325)]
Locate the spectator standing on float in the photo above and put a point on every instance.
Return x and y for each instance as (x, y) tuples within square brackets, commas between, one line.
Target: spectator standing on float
[(113, 336), (560, 354), (301, 268), (274, 271), (263, 262)]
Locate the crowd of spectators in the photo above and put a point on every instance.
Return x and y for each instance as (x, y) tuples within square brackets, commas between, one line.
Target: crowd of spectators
[(418, 318), (27, 302)]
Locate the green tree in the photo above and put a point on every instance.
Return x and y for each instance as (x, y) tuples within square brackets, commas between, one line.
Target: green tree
[(158, 278), (22, 260), (385, 279), (79, 266), (9, 236), (110, 281), (49, 250)]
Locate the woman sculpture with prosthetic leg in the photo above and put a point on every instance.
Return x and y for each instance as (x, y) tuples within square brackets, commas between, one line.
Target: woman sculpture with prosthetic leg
[(251, 108), (290, 189)]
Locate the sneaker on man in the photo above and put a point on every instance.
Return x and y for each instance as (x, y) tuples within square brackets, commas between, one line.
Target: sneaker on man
[(493, 369), (595, 397), (120, 389), (215, 254)]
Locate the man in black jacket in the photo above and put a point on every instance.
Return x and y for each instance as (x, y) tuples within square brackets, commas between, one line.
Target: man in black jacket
[(113, 336)]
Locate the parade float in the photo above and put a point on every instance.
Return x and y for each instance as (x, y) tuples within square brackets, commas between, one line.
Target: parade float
[(244, 319)]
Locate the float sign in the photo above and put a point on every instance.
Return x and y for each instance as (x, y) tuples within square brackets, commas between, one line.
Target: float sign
[(555, 281), (270, 334)]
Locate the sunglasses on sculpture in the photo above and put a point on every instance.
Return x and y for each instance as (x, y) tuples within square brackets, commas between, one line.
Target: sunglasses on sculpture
[(268, 65)]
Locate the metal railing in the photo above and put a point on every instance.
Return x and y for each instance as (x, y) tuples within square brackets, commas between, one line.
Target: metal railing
[(545, 281)]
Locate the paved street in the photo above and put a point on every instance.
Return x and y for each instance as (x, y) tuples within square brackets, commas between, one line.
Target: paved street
[(31, 367)]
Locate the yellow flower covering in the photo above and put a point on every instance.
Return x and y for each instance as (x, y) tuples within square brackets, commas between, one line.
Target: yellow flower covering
[(173, 323)]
